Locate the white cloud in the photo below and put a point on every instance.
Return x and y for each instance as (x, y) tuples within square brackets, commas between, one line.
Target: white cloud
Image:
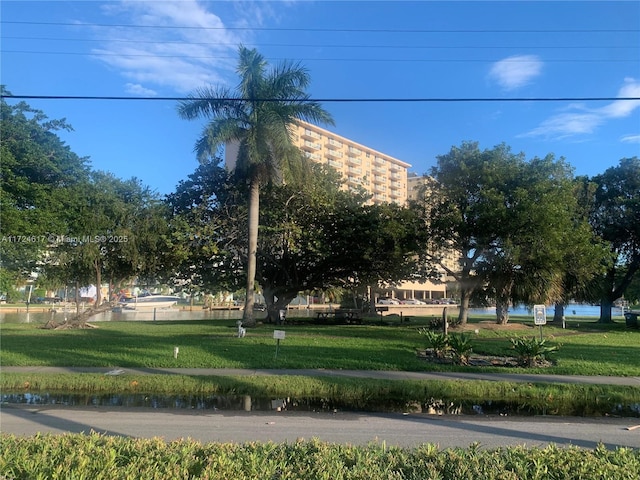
[(631, 139), (137, 89), (580, 120), (203, 51), (516, 71)]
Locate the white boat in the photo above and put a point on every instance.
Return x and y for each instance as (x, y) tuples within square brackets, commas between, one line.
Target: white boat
[(149, 302)]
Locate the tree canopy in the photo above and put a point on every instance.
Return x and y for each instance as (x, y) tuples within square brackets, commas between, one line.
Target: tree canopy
[(256, 117), (509, 219), (615, 217)]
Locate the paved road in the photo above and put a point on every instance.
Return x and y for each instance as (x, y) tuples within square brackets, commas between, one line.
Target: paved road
[(394, 429), (355, 428), (390, 375)]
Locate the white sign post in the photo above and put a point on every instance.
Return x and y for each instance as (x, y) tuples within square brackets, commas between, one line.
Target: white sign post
[(540, 317), (278, 335)]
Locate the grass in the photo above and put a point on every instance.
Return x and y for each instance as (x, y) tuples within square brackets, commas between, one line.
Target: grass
[(341, 392), (99, 457), (587, 348)]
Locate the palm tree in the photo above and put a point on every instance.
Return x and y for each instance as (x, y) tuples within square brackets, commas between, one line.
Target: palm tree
[(257, 116)]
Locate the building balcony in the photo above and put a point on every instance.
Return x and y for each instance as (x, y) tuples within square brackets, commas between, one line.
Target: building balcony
[(337, 165), (379, 170), (379, 179), (354, 180), (354, 152), (307, 145), (355, 171), (395, 193), (313, 156), (310, 134), (354, 161), (379, 188), (379, 161), (334, 153), (396, 176), (333, 144)]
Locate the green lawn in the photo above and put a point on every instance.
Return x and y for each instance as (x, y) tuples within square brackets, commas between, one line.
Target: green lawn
[(585, 349)]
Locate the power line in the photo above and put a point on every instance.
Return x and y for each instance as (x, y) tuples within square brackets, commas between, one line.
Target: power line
[(413, 60), (348, 30), (331, 100), (321, 45)]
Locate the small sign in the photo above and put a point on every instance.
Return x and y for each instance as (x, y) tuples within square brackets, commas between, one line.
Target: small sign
[(278, 334), (539, 315)]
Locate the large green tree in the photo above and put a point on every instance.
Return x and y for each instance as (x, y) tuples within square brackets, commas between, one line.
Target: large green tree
[(257, 116), (313, 236), (37, 173), (509, 219), (115, 230), (615, 217), (318, 237)]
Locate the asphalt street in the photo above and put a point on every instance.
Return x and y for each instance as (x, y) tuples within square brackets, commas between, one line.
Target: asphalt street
[(406, 430), (339, 427)]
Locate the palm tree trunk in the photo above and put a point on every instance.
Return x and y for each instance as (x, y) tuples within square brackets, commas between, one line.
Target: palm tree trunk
[(254, 216)]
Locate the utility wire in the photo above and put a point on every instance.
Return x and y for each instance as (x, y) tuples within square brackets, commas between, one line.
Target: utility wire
[(421, 60), (321, 45), (329, 100), (349, 30)]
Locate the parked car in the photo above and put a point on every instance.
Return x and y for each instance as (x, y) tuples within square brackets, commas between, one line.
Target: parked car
[(411, 301), (388, 301)]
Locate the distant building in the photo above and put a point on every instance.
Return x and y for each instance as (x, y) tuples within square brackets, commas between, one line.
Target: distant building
[(386, 178), (381, 175)]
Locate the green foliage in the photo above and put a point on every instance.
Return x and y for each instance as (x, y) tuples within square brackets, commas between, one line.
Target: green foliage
[(615, 210), (529, 350), (514, 221), (461, 346), (100, 457), (259, 127), (37, 172), (437, 341)]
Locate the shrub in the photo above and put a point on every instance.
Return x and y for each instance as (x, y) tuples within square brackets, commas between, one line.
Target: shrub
[(461, 347), (530, 350), (435, 323), (438, 342)]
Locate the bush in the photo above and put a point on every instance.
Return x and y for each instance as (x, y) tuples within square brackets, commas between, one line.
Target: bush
[(438, 342), (530, 350), (435, 323), (461, 347)]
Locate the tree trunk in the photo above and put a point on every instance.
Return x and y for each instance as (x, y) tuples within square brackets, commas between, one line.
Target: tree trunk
[(502, 312), (248, 318), (558, 313), (276, 303), (98, 283), (605, 311), (77, 298), (465, 296)]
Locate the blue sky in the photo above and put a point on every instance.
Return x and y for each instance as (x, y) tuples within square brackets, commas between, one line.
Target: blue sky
[(353, 50)]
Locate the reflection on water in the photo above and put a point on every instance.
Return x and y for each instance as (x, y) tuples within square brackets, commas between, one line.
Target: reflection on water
[(159, 314), (571, 310), (250, 403)]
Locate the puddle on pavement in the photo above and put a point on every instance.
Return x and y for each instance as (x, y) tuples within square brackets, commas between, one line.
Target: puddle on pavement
[(248, 403)]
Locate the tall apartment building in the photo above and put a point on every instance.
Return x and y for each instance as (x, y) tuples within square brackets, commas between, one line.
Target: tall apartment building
[(381, 175)]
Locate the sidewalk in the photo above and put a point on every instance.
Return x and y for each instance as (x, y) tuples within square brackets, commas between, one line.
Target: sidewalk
[(385, 375)]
